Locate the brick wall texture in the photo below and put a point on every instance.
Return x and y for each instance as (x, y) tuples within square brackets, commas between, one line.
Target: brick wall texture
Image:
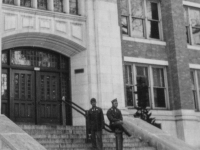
[(175, 52)]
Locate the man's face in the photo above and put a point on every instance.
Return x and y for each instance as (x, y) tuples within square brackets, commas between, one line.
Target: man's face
[(93, 103), (115, 104)]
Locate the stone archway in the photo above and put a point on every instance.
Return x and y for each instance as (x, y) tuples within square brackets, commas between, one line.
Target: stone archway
[(37, 40), (43, 40)]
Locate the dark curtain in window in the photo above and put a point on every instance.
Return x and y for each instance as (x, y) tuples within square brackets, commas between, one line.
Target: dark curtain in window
[(58, 5), (73, 6), (8, 1), (26, 3), (42, 4)]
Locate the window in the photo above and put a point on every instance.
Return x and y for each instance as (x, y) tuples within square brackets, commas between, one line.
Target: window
[(141, 18), (8, 2), (58, 5), (192, 23), (73, 7), (195, 79), (156, 80), (42, 4), (26, 3), (26, 57)]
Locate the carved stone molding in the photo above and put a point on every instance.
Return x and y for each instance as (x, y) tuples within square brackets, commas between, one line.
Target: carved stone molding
[(43, 40)]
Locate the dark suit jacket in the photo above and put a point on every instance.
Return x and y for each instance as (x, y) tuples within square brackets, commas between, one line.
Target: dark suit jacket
[(96, 119)]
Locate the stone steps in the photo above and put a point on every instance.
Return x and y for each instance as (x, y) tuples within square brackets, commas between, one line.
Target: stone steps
[(73, 138)]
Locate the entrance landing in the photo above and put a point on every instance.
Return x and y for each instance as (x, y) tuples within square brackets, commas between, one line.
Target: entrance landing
[(13, 137)]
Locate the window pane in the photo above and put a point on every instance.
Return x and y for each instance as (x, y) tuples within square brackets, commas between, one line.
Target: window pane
[(142, 85), (42, 4), (124, 7), (34, 58), (192, 79), (142, 72), (58, 5), (187, 34), (124, 25), (152, 10), (128, 74), (137, 28), (4, 86), (26, 3), (129, 95), (198, 76), (158, 77), (137, 9), (193, 89), (196, 35), (8, 2), (64, 64), (195, 17), (4, 58), (73, 7), (153, 29), (159, 84), (159, 97)]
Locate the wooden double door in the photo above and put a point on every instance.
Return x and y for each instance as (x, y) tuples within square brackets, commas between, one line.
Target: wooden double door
[(35, 97)]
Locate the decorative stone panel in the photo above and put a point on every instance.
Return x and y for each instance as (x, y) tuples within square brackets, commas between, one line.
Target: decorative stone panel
[(21, 20), (28, 21), (10, 22)]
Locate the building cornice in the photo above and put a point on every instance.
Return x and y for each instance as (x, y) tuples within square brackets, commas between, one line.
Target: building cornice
[(40, 12)]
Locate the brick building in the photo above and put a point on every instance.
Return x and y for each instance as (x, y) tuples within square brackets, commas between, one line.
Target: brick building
[(79, 49), (160, 42)]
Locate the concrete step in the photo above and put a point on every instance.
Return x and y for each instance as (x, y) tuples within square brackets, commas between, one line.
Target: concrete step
[(73, 138)]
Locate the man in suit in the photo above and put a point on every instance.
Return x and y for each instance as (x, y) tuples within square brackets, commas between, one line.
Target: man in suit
[(96, 124)]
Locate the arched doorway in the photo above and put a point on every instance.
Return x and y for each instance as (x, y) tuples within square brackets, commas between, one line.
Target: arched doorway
[(33, 82)]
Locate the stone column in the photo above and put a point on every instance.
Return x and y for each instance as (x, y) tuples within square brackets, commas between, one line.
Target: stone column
[(108, 54), (66, 6), (34, 4), (81, 7), (17, 2), (178, 70), (50, 5)]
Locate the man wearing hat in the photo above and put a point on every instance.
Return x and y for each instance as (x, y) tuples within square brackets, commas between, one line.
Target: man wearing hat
[(96, 124), (115, 117)]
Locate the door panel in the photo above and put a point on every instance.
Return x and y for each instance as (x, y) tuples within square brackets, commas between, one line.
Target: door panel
[(23, 96), (48, 91)]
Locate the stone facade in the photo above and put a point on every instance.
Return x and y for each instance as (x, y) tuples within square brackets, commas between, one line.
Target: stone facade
[(93, 42)]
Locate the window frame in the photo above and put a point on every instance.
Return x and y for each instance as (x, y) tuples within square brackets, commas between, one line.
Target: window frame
[(189, 27), (150, 85), (196, 88), (144, 19), (77, 8)]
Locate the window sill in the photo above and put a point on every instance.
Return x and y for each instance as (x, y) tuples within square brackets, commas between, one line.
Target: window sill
[(193, 47), (149, 41), (151, 109)]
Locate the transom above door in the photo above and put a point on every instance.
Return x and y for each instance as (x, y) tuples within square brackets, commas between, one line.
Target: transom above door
[(33, 82)]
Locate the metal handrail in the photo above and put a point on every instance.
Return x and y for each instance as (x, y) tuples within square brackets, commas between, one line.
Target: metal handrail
[(85, 114)]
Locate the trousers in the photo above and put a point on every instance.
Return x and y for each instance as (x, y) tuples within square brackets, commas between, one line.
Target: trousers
[(96, 137)]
